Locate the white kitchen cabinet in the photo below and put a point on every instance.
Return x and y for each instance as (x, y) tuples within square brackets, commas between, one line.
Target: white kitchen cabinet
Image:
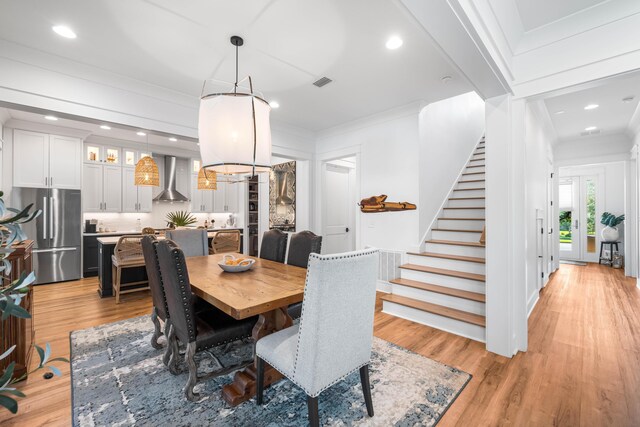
[(102, 154), (46, 161), (134, 198), (226, 197), (201, 200), (101, 188)]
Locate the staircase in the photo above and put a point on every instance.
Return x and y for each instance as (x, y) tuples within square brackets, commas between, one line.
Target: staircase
[(444, 286)]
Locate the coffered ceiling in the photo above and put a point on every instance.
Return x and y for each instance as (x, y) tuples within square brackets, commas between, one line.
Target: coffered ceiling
[(288, 45)]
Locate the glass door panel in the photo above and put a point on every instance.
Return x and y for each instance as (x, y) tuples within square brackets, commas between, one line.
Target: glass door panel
[(569, 209)]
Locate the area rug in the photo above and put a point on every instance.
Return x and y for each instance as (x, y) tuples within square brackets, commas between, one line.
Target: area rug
[(119, 379)]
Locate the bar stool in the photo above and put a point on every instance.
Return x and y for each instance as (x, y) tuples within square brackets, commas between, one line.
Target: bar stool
[(225, 241), (127, 254), (611, 244)]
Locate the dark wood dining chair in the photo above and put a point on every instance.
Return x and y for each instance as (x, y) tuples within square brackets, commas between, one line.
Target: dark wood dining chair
[(301, 245), (199, 331), (274, 245)]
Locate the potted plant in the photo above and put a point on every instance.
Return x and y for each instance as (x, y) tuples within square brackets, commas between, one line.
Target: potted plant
[(11, 296), (610, 232), (180, 219)]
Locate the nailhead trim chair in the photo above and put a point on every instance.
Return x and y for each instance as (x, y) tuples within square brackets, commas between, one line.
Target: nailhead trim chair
[(301, 245), (192, 242), (199, 331), (335, 333), (127, 254), (274, 245), (225, 241)]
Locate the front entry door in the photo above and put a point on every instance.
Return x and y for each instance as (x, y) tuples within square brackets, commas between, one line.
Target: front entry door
[(569, 212)]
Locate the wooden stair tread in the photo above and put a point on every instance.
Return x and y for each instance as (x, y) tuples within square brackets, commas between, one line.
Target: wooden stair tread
[(444, 272), (472, 180), (447, 256), (473, 173), (461, 219), (456, 243), (477, 160), (469, 189), (467, 198), (440, 310), (475, 166), (458, 293), (457, 230), (468, 207)]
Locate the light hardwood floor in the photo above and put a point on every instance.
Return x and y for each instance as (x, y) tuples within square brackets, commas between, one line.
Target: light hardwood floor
[(582, 367)]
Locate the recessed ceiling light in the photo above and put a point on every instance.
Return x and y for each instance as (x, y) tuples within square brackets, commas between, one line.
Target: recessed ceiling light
[(172, 139), (591, 107), (141, 133), (64, 31), (52, 118), (274, 104), (394, 42), (105, 127), (628, 99), (560, 112), (590, 128)]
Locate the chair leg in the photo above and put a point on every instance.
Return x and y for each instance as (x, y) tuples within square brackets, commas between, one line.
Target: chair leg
[(312, 408), (259, 380), (175, 353), (193, 373), (366, 388), (117, 283), (168, 350), (157, 331)]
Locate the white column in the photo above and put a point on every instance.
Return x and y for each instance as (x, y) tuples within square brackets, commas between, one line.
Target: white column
[(506, 307)]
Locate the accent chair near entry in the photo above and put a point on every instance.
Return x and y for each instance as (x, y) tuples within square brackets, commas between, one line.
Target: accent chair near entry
[(192, 242), (301, 245), (199, 331), (335, 333), (274, 245)]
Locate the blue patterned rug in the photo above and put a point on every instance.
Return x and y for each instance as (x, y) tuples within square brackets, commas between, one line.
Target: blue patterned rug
[(119, 379)]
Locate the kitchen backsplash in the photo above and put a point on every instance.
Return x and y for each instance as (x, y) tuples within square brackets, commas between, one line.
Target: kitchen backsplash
[(156, 218)]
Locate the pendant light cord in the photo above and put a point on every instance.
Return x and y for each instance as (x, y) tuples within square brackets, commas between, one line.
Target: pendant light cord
[(235, 88)]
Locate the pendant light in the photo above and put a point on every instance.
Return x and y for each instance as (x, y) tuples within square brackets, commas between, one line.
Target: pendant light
[(207, 180), (146, 173), (234, 129)]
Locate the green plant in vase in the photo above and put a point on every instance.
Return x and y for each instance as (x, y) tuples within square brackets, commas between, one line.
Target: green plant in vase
[(180, 219), (610, 232), (11, 295)]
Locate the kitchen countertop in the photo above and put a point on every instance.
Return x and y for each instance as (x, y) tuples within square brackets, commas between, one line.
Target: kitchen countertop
[(111, 239)]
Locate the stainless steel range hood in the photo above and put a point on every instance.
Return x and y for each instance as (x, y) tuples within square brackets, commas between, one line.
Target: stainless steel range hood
[(169, 193)]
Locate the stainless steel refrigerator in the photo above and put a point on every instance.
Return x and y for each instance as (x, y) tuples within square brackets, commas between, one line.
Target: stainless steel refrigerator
[(57, 232)]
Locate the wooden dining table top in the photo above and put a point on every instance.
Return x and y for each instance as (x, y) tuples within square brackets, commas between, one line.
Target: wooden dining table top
[(267, 286)]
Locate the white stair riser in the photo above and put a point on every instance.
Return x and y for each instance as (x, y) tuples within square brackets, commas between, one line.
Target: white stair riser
[(460, 224), (455, 250), (463, 184), (469, 306), (472, 176), (467, 203), (456, 236), (442, 280), (464, 329), (463, 213), (448, 264), (461, 192), (471, 170)]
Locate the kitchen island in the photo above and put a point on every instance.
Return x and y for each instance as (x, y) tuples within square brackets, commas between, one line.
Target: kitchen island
[(106, 246)]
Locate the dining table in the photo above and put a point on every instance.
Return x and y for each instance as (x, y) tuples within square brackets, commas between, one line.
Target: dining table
[(266, 290)]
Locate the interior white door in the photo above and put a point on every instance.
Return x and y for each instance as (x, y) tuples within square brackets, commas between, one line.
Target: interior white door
[(65, 160), (570, 218), (337, 184)]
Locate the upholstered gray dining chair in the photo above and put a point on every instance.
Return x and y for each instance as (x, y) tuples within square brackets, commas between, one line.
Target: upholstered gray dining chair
[(199, 331), (159, 310), (274, 245), (335, 333), (301, 245), (192, 242)]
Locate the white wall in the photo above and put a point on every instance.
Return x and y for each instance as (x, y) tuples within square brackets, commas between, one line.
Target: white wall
[(593, 149), (386, 148), (449, 131)]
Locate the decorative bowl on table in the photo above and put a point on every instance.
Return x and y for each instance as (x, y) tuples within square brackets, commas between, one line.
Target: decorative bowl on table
[(231, 264)]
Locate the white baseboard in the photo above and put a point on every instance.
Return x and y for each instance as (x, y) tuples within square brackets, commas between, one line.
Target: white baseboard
[(532, 303)]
